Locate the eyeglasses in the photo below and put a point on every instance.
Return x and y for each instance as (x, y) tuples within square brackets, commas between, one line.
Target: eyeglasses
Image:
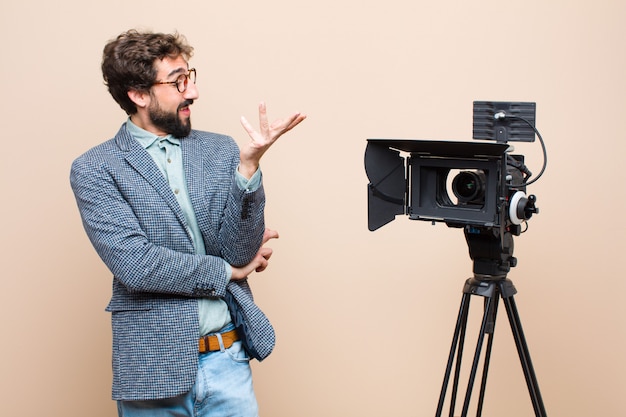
[(182, 80)]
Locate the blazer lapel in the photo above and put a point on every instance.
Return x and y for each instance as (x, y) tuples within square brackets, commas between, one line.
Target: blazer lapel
[(142, 162), (192, 151)]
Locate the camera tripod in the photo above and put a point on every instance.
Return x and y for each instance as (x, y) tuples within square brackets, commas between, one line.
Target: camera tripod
[(490, 282)]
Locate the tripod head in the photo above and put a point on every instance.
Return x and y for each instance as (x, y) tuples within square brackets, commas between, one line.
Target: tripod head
[(491, 248), (491, 252)]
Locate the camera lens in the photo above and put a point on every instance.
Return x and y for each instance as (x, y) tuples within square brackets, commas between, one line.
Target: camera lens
[(469, 187)]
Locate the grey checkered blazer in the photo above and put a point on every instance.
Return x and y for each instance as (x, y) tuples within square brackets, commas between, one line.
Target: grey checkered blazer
[(137, 227)]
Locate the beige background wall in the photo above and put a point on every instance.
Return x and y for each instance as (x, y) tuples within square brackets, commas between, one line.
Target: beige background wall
[(364, 320)]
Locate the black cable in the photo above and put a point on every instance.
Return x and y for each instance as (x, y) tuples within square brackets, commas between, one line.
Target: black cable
[(503, 115)]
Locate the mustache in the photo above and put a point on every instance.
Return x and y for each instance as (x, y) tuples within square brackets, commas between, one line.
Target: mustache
[(185, 103)]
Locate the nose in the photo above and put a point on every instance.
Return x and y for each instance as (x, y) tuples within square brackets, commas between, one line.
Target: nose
[(191, 93)]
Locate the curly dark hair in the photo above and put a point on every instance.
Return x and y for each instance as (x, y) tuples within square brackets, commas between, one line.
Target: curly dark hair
[(128, 62)]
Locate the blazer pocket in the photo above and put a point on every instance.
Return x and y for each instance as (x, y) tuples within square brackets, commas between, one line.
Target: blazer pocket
[(118, 305)]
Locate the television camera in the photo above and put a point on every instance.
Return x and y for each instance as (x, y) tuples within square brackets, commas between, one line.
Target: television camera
[(478, 186)]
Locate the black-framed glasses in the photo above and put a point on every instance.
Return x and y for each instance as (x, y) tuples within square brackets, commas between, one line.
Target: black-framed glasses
[(182, 81)]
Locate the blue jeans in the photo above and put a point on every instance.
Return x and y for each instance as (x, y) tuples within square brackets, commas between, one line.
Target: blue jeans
[(223, 388)]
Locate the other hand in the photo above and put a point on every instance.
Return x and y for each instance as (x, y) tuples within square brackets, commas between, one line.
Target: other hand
[(260, 261)]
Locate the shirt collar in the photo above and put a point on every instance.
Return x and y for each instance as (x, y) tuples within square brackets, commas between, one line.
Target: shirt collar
[(145, 138)]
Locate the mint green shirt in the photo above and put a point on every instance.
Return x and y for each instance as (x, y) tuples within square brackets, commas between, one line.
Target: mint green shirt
[(166, 153)]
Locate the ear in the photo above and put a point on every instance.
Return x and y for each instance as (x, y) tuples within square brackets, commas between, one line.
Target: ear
[(140, 98)]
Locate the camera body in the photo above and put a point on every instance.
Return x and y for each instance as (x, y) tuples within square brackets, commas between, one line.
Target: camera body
[(456, 184), (460, 183)]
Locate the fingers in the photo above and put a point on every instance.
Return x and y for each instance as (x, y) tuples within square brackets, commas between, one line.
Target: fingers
[(247, 126), (264, 254), (283, 126), (263, 123), (269, 234), (258, 264), (271, 132), (263, 258), (295, 120)]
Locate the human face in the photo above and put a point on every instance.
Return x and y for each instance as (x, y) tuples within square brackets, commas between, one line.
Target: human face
[(169, 111)]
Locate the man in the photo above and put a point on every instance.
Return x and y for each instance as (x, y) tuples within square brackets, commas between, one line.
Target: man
[(177, 215)]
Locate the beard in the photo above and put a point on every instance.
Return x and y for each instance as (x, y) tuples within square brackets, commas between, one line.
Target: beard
[(169, 121)]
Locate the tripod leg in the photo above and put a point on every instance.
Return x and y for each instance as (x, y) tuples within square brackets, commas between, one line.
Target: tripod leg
[(491, 330), (459, 335), (522, 350), (459, 359), (489, 314)]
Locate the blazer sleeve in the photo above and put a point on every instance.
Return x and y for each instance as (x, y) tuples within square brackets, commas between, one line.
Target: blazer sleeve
[(136, 234), (244, 225), (230, 217)]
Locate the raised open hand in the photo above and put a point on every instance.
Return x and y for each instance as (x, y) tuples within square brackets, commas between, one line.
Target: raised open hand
[(260, 141)]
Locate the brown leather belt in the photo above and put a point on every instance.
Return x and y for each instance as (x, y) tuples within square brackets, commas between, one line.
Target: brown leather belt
[(211, 343)]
